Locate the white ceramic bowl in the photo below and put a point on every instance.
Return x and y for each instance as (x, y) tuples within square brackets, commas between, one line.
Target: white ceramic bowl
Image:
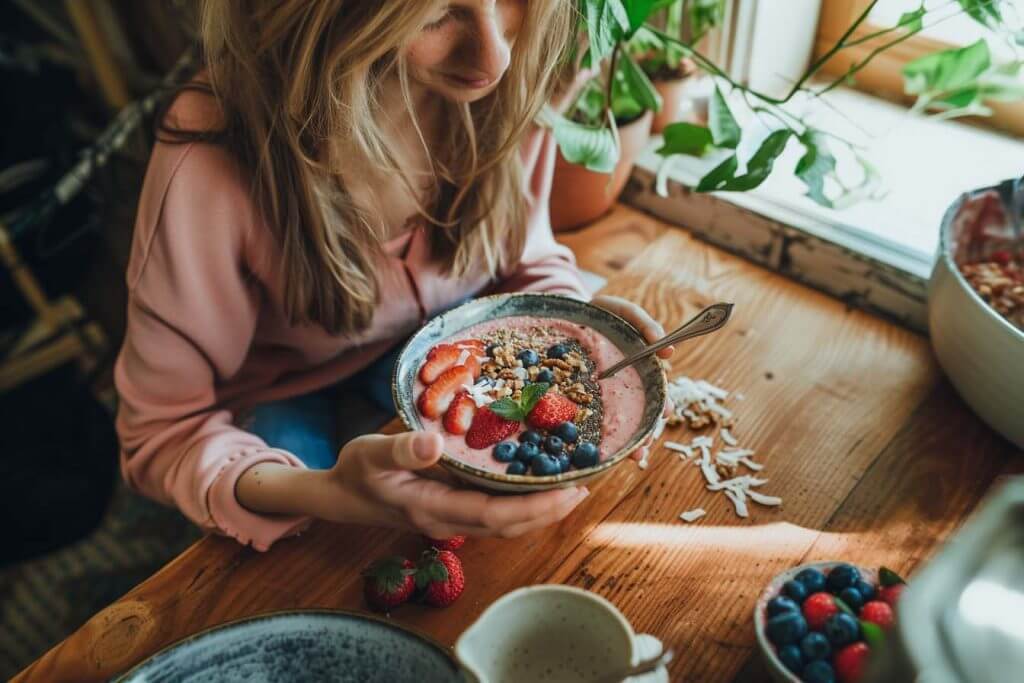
[(776, 668), (980, 351)]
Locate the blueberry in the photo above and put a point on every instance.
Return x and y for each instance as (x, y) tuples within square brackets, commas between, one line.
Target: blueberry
[(553, 445), (795, 590), (567, 432), (841, 576), (526, 452), (818, 672), (815, 646), (505, 451), (558, 351), (586, 455), (563, 462), (841, 629), (786, 628), (867, 591), (544, 465), (545, 376), (515, 467), (812, 579), (529, 357), (780, 604), (791, 658), (530, 436), (852, 597)]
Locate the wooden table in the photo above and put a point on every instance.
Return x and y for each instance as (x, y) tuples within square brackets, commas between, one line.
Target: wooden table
[(875, 456)]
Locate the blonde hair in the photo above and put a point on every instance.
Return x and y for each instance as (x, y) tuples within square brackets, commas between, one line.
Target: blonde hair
[(299, 84)]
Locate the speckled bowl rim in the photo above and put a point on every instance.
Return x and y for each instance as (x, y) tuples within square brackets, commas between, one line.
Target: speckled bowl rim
[(551, 480), (946, 256), (771, 590), (446, 652)]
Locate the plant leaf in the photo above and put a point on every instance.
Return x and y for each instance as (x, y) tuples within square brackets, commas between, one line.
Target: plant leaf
[(946, 70), (638, 12), (815, 165), (888, 577), (685, 138), (607, 23), (724, 178), (724, 130), (638, 85), (593, 148), (985, 12), (873, 634), (717, 177), (912, 21), (843, 607), (531, 394)]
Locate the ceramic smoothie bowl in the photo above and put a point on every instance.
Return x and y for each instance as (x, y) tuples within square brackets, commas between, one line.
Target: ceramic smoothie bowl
[(571, 341)]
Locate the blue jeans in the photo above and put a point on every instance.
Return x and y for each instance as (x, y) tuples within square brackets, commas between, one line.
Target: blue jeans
[(308, 425)]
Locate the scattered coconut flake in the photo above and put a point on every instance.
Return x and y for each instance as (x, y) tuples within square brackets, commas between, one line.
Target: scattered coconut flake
[(709, 474), (480, 392), (728, 438), (738, 501), (693, 515), (521, 373), (683, 450), (659, 427), (743, 482), (756, 466), (643, 462), (764, 499)]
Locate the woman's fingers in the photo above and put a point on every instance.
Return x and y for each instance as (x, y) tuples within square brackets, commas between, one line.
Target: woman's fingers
[(553, 516), (650, 328), (407, 451)]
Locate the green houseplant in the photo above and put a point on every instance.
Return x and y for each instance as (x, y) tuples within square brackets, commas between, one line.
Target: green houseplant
[(951, 83)]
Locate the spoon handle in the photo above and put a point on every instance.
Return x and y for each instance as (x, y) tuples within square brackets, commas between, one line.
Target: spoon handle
[(710, 319)]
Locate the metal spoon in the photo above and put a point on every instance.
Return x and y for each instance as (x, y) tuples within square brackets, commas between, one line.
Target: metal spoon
[(709, 320), (644, 667)]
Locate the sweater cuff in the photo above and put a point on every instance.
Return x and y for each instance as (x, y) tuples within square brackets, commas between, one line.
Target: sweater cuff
[(228, 515)]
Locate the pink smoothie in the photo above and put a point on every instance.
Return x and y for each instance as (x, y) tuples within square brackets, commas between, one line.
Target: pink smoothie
[(622, 394)]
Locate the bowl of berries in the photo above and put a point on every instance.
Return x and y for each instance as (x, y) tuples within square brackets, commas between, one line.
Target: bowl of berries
[(511, 383), (818, 623)]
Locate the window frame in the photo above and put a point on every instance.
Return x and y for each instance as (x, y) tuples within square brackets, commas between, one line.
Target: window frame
[(882, 76)]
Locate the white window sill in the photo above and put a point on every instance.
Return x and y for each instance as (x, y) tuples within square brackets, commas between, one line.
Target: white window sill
[(925, 163)]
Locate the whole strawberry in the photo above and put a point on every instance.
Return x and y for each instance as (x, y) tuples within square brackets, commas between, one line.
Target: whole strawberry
[(851, 661), (552, 410), (877, 612), (388, 583), (891, 594), (439, 575), (453, 543), (818, 609)]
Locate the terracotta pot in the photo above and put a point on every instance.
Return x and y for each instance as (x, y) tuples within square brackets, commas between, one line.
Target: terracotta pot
[(579, 196), (671, 102)]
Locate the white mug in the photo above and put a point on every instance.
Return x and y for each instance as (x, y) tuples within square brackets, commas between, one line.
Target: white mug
[(553, 633)]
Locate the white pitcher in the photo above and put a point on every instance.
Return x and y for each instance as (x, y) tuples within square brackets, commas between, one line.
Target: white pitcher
[(553, 633)]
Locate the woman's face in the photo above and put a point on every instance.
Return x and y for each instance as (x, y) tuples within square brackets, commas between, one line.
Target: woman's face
[(465, 49)]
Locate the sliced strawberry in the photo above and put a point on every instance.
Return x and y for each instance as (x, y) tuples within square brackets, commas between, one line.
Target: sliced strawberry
[(473, 365), (436, 398), (488, 428), (439, 359), (459, 415), (473, 345), (552, 410)]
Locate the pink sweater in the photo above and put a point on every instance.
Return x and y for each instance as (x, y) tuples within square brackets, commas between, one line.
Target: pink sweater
[(207, 336)]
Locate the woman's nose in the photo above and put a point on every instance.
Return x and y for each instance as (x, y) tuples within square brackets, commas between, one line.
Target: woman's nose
[(487, 49)]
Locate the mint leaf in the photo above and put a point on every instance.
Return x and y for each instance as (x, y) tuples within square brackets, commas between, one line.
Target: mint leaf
[(532, 394), (724, 129), (844, 607), (685, 138), (873, 634), (888, 577), (508, 409)]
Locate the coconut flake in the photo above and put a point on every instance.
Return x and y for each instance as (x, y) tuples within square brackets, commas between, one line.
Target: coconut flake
[(756, 466), (480, 392), (683, 450), (710, 475), (693, 515), (738, 501), (728, 438), (764, 499)]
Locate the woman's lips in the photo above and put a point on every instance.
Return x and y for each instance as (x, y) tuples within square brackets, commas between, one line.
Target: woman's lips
[(472, 83)]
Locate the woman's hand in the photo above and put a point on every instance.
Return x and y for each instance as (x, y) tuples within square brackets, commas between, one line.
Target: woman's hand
[(648, 326), (376, 482)]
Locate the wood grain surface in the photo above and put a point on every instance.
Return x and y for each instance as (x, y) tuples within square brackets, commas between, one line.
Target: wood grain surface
[(876, 458)]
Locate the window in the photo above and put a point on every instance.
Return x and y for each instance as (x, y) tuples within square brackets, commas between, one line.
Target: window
[(946, 26)]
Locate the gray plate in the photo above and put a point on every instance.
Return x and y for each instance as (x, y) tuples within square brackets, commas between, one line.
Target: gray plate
[(618, 331), (307, 645)]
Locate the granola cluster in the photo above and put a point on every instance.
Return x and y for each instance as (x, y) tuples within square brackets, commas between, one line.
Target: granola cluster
[(573, 375), (1000, 283)]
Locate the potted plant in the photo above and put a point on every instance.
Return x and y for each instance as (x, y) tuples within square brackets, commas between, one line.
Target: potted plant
[(666, 63)]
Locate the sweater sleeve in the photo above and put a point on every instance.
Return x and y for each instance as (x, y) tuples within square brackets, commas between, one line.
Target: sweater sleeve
[(546, 265), (192, 313)]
